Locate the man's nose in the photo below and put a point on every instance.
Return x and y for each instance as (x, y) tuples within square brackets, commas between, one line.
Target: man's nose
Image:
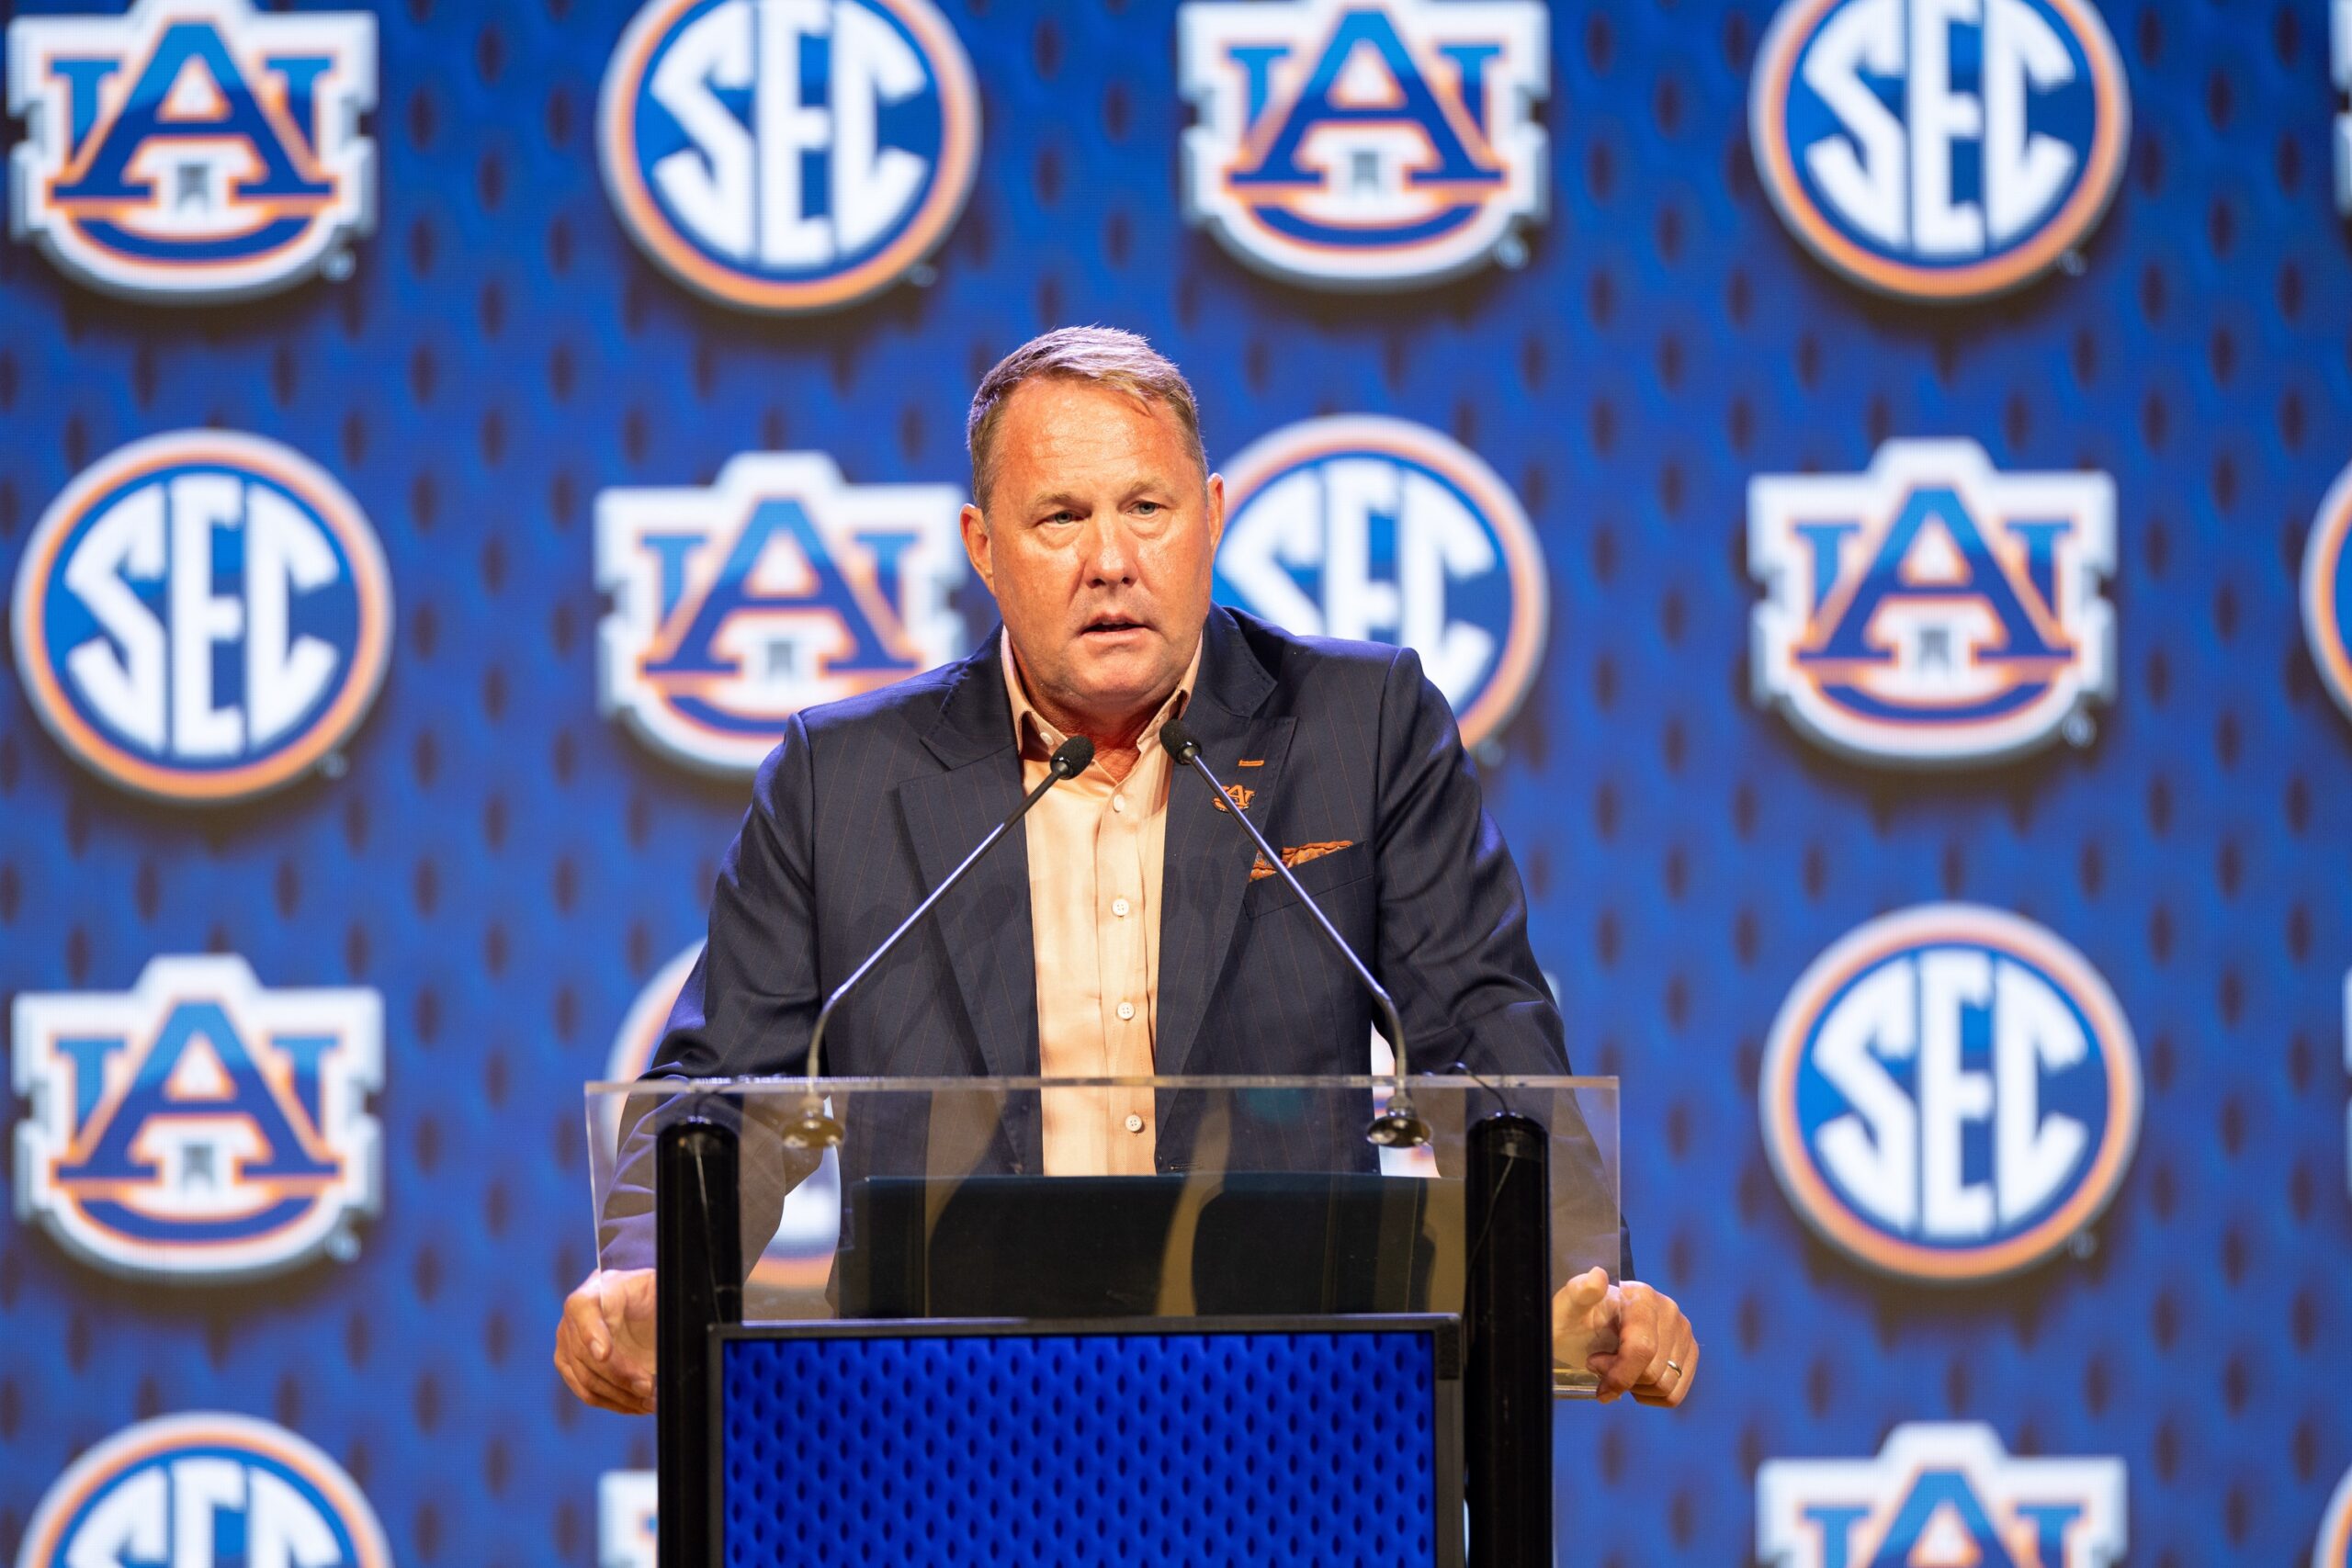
[(1111, 556)]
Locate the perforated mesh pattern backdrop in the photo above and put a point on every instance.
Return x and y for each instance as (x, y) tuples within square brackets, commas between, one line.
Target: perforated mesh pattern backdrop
[(507, 867), (1102, 1448)]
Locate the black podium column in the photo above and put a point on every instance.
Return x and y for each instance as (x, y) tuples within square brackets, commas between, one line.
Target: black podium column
[(1508, 1387), (698, 1281)]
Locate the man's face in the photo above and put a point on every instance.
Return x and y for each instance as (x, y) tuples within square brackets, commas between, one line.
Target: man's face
[(1097, 542)]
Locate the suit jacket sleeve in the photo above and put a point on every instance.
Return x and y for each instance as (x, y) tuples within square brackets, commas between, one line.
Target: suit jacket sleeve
[(1452, 948), (745, 1010)]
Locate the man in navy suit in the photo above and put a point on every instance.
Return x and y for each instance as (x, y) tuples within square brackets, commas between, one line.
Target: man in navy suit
[(1138, 933)]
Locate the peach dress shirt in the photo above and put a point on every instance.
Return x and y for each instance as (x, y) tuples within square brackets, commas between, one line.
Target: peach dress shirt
[(1096, 849)]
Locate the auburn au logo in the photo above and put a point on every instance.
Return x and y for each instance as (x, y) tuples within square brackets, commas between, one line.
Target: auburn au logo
[(789, 154), (779, 587), (198, 1126), (1940, 151), (202, 616), (1362, 526), (627, 1519), (193, 150), (2340, 58), (204, 1491), (1951, 1093), (1932, 611), (1365, 143), (1942, 1493)]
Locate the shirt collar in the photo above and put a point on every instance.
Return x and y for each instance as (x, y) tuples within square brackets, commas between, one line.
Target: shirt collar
[(1038, 738)]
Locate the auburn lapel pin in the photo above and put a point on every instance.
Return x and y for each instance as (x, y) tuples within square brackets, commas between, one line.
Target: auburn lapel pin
[(1241, 794)]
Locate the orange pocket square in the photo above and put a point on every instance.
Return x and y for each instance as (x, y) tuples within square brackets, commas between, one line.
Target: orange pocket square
[(1299, 855)]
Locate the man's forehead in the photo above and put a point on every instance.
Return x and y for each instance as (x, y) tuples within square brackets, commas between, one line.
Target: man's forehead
[(1080, 431), (1065, 407)]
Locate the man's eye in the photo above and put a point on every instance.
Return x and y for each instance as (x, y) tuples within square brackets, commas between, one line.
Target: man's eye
[(1150, 508)]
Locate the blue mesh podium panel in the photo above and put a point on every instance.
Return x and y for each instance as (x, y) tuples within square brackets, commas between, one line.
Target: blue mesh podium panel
[(1105, 1448)]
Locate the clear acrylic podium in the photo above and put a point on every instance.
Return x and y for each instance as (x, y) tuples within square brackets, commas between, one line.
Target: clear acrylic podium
[(890, 1330)]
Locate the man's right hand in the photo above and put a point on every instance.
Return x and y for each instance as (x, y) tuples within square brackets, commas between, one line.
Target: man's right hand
[(603, 1346)]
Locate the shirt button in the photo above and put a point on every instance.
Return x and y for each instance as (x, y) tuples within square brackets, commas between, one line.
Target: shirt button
[(1126, 1009), (1134, 1122), (1119, 803), (1119, 908)]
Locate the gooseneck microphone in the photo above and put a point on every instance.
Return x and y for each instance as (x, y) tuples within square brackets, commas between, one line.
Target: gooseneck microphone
[(1396, 1127), (813, 1128)]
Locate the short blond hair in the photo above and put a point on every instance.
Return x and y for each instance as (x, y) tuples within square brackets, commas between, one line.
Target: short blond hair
[(1105, 355)]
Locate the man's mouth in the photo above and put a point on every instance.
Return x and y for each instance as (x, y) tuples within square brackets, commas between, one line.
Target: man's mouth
[(1111, 625)]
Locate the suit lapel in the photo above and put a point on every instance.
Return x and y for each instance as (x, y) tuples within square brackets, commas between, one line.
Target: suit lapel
[(985, 922), (1206, 868)]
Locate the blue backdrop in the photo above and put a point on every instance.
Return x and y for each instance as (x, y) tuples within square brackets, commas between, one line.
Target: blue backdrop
[(507, 867)]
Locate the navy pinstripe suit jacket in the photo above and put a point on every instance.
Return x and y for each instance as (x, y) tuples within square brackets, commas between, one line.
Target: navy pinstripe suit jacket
[(868, 804)]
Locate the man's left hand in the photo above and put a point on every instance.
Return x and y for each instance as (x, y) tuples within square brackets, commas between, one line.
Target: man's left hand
[(1634, 1339)]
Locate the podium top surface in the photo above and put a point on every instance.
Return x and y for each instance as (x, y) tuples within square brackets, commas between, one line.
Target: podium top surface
[(1075, 1198)]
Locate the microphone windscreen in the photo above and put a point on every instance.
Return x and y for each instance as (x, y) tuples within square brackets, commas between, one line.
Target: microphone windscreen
[(1070, 757), (1179, 741)]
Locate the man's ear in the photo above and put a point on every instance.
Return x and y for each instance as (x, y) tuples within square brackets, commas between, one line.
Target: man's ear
[(1216, 488), (978, 546)]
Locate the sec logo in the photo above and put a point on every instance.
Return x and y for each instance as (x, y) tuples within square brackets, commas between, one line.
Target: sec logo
[(1950, 1094), (198, 1126), (799, 1258), (1367, 527), (780, 587), (1941, 150), (196, 1490), (789, 155), (193, 150), (2334, 1548), (1343, 144), (1932, 612), (649, 1018), (1945, 1494), (202, 616), (2327, 591)]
